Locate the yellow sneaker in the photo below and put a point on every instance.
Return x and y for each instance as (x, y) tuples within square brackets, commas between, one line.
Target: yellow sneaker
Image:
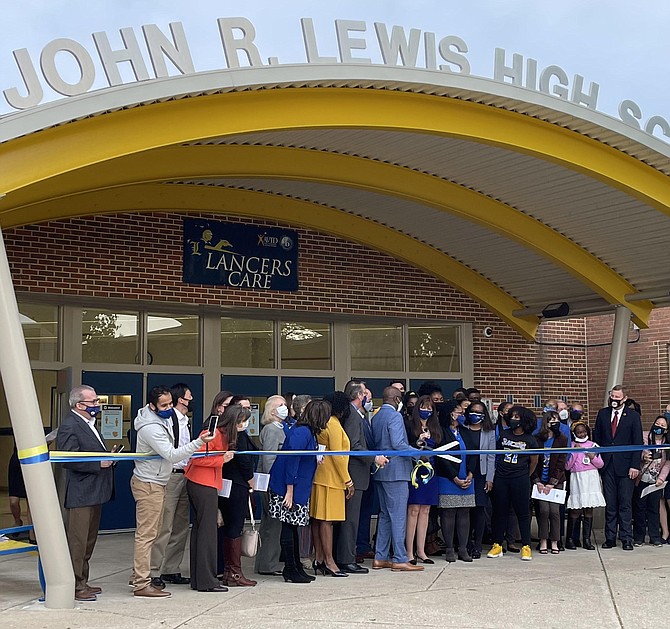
[(526, 555), (496, 551)]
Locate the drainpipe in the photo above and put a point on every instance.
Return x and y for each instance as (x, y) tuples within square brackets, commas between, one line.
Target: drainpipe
[(619, 346)]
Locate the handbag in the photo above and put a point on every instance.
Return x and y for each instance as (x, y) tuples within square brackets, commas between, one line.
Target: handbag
[(251, 539)]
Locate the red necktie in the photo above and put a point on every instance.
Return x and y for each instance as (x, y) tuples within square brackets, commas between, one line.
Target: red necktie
[(615, 422)]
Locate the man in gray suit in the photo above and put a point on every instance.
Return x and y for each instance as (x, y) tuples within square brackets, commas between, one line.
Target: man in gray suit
[(356, 427), (88, 485), (388, 433)]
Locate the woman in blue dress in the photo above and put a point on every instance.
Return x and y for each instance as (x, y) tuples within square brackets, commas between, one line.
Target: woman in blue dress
[(423, 431), (456, 491)]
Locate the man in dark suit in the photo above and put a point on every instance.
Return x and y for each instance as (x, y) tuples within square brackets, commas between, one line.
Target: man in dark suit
[(388, 433), (87, 486), (617, 425), (357, 429)]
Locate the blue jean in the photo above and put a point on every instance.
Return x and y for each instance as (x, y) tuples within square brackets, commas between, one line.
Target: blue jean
[(392, 523)]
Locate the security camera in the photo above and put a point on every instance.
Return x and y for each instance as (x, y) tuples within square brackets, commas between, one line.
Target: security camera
[(488, 332)]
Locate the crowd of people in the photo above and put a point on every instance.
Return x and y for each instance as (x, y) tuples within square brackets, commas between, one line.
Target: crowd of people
[(431, 499)]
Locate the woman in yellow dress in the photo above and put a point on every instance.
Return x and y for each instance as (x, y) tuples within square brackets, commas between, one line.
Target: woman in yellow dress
[(332, 485)]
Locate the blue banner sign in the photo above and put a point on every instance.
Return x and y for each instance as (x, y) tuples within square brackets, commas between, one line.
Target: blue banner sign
[(240, 256)]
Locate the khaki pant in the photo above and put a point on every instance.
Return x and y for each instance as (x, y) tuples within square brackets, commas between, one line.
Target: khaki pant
[(167, 552), (149, 499)]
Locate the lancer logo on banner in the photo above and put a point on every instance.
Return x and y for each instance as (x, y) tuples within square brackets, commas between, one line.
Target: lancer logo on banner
[(241, 256)]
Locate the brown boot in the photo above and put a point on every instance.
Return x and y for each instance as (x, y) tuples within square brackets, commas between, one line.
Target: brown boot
[(233, 549), (226, 577)]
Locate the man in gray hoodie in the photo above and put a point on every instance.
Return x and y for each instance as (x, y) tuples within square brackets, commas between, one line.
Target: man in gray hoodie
[(150, 476)]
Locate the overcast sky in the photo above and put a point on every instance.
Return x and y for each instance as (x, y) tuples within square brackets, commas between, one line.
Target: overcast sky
[(621, 45)]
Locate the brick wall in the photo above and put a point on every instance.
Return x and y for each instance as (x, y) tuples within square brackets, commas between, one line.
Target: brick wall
[(646, 375), (139, 256)]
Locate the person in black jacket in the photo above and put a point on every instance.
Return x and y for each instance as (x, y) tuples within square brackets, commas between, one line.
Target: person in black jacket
[(617, 425), (234, 508), (549, 474)]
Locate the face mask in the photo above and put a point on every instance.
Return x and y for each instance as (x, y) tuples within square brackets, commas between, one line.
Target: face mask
[(424, 413), (186, 403), (615, 403), (564, 414), (658, 430), (581, 439), (166, 414), (282, 411), (399, 406), (368, 406), (667, 416), (555, 428), (514, 423), (93, 410), (243, 427), (576, 415), (476, 418)]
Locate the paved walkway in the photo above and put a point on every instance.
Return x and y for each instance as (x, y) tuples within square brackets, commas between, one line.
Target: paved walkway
[(599, 589)]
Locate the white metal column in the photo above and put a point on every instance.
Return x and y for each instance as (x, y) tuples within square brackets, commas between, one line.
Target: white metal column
[(24, 412), (619, 347)]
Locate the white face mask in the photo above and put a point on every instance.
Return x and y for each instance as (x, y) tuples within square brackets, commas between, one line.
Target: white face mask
[(282, 411), (243, 427), (564, 414), (581, 439), (399, 406), (368, 406)]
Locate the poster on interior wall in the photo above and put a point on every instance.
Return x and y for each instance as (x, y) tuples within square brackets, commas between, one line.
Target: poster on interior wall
[(240, 256)]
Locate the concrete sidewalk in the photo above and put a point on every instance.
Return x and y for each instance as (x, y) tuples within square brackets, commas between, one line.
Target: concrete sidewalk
[(605, 588)]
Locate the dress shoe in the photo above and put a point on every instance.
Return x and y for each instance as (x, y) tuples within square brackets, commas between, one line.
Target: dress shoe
[(450, 555), (85, 595), (369, 555), (405, 567), (627, 545), (151, 592), (275, 573), (379, 564), (352, 568), (608, 543), (176, 578), (93, 588), (216, 588), (158, 583)]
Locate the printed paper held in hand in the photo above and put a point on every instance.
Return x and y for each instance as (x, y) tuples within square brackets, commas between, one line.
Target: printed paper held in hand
[(261, 481), (648, 490), (224, 492), (319, 457), (555, 495)]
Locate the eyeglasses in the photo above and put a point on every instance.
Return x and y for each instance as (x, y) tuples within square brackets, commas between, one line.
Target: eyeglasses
[(96, 401)]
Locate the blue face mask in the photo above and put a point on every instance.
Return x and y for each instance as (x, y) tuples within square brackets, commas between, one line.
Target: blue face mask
[(461, 419), (424, 413), (93, 410), (658, 430), (166, 414), (476, 418)]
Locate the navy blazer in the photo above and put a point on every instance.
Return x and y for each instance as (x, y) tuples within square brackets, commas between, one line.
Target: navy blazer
[(388, 433), (295, 470), (86, 483), (629, 432)]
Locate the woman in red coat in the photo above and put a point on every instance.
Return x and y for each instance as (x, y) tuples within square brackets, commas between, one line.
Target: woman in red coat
[(203, 481)]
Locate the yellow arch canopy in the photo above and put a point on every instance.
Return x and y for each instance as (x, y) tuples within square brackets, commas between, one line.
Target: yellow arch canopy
[(318, 166), (91, 165)]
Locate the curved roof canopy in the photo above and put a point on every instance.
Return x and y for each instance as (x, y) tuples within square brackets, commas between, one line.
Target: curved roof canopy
[(516, 198)]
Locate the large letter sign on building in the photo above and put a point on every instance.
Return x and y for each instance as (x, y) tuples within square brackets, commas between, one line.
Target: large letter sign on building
[(240, 256)]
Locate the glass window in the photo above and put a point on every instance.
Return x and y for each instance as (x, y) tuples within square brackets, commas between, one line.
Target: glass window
[(173, 339), (110, 337), (40, 329), (376, 347), (434, 348), (247, 343), (305, 345)]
